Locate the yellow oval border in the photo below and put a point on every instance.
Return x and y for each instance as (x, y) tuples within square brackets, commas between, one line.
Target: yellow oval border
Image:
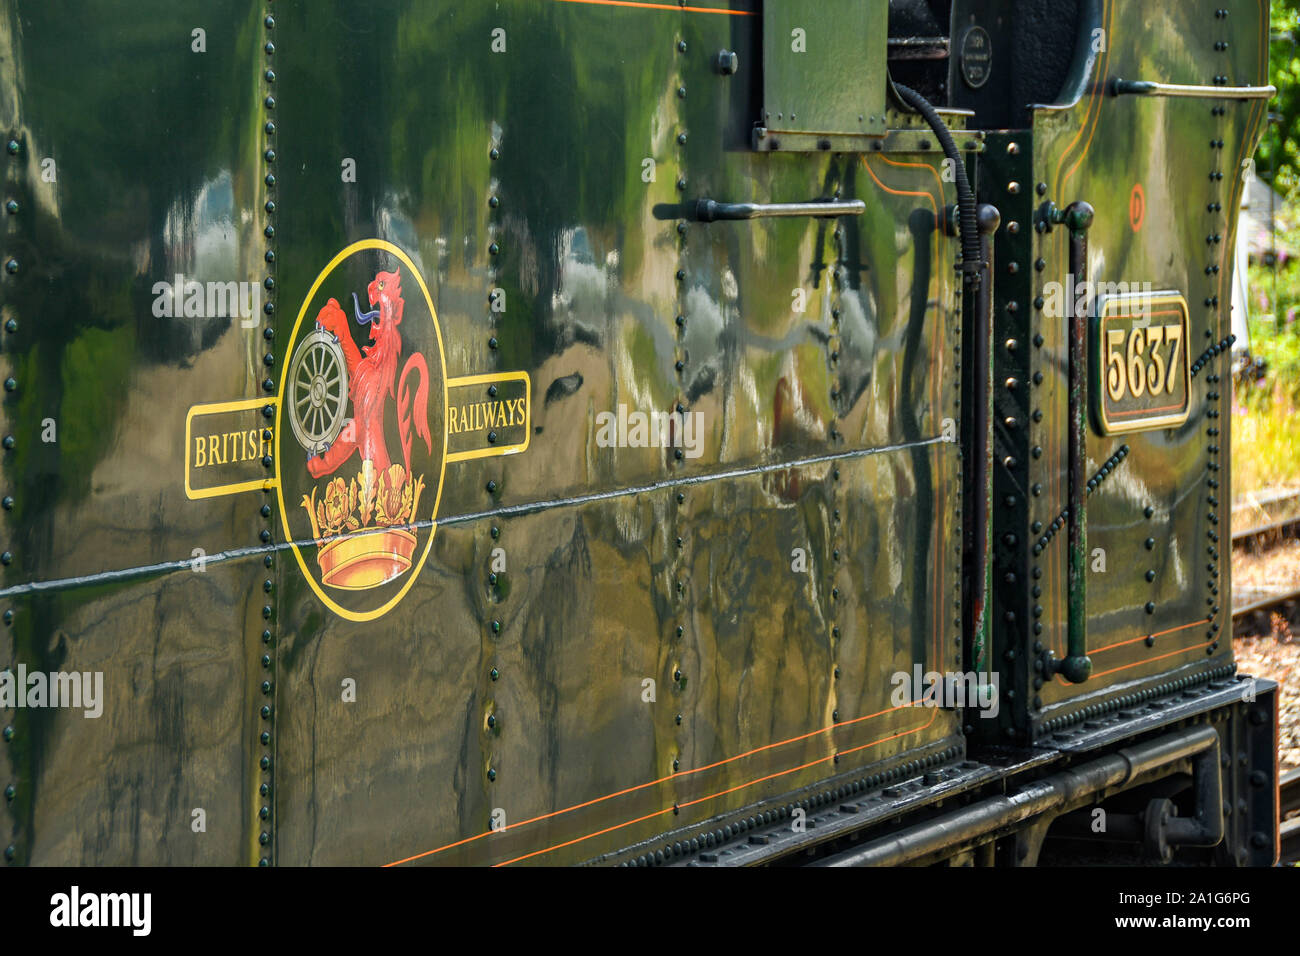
[(360, 246)]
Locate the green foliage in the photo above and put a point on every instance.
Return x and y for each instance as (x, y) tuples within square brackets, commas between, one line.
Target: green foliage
[(1278, 157), (1266, 411)]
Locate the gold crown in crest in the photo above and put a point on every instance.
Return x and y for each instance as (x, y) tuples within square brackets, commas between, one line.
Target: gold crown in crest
[(363, 528)]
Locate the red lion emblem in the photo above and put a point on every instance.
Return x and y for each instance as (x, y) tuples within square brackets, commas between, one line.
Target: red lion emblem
[(372, 380)]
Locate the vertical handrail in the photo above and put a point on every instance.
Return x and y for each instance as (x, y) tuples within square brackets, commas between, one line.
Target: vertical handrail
[(1077, 666)]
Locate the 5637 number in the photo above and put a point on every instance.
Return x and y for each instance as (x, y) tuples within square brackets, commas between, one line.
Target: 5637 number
[(1140, 374), (1142, 360)]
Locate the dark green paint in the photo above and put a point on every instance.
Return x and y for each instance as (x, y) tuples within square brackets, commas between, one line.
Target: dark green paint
[(624, 564)]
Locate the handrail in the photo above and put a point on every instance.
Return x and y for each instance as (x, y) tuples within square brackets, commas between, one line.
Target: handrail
[(1119, 87)]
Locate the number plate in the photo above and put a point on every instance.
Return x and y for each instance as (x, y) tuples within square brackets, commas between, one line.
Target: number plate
[(1140, 370)]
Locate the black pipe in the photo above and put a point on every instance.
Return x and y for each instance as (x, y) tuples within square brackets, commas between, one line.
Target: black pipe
[(1116, 770), (971, 260)]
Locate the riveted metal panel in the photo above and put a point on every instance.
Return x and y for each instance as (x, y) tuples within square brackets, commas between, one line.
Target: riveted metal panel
[(824, 73), (1164, 176), (128, 186)]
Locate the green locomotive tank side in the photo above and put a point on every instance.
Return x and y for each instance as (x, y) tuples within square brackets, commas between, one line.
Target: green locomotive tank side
[(419, 422)]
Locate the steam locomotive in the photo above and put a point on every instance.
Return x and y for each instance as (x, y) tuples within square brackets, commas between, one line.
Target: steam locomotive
[(726, 432)]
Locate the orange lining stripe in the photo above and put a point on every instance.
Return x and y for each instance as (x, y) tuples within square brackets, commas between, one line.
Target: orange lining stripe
[(712, 796), (1145, 411), (660, 6), (652, 783), (1093, 99), (1147, 660), (1144, 660), (904, 192), (1181, 627)]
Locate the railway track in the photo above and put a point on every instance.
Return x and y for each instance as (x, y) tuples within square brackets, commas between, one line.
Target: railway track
[(1259, 601), (1260, 522), (1262, 519)]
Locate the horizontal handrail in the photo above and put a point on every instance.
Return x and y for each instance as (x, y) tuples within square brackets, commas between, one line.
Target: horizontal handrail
[(709, 210), (1120, 87)]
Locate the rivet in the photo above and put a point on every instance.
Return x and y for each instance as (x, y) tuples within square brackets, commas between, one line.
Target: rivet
[(494, 673), (496, 532), (1150, 544), (11, 266), (496, 627), (494, 153), (10, 384), (11, 325), (13, 147), (8, 442), (493, 343), (491, 774)]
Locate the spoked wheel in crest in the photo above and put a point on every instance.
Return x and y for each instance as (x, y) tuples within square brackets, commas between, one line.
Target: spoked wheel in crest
[(318, 391)]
